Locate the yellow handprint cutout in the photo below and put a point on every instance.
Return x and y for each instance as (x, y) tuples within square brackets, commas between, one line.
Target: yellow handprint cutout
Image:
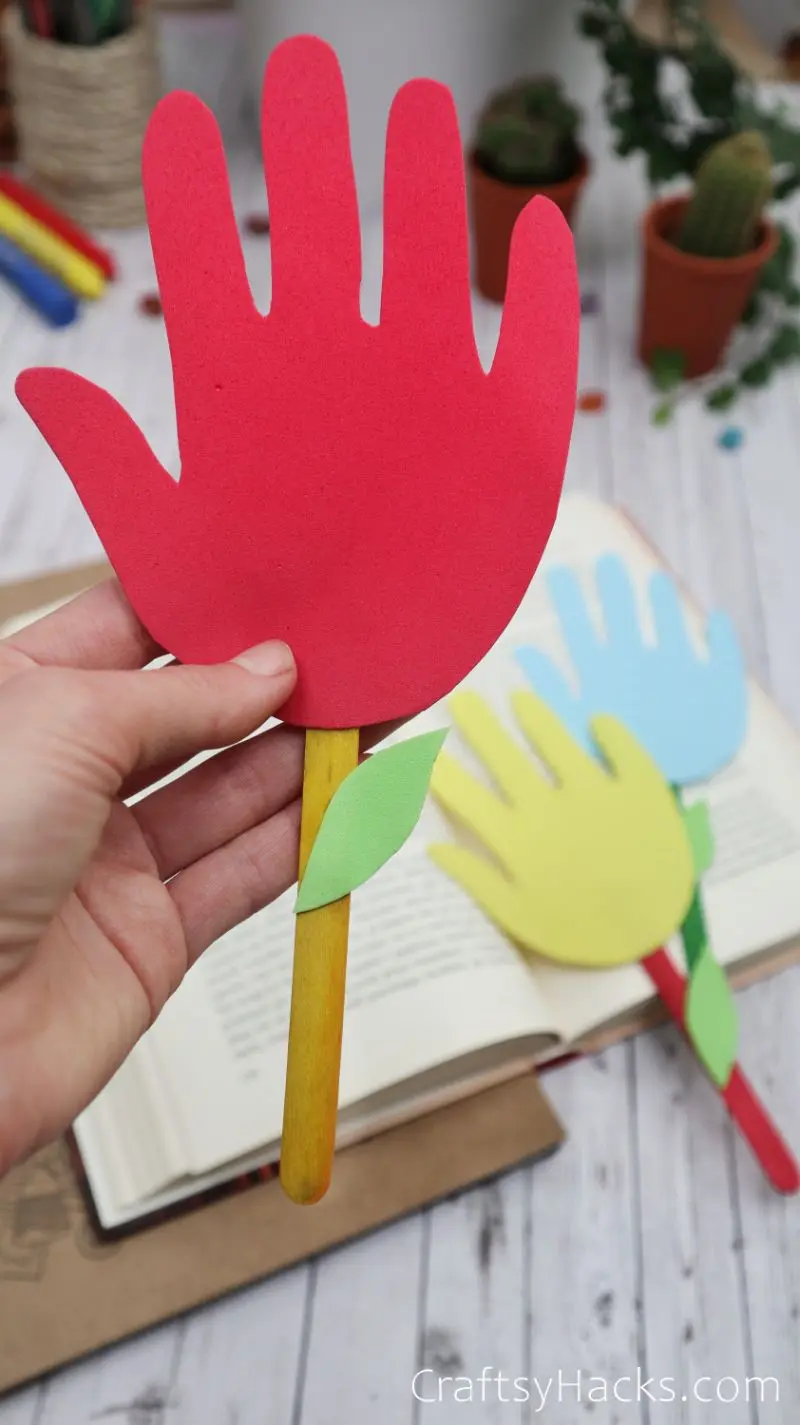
[(591, 866)]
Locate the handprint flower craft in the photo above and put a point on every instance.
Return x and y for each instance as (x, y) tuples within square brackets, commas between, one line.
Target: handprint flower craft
[(588, 862), (355, 490), (367, 493), (689, 711)]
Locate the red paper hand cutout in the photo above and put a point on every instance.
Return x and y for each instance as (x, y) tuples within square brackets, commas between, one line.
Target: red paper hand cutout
[(367, 493)]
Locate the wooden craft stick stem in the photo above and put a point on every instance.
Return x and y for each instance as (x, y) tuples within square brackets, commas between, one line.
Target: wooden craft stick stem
[(318, 985), (747, 1112)]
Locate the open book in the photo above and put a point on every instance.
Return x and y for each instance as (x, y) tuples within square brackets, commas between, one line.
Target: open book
[(439, 1003)]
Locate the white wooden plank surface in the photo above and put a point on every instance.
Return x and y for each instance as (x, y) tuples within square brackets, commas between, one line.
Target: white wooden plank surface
[(583, 1288), (361, 1351), (475, 1275), (651, 1241), (242, 1358)]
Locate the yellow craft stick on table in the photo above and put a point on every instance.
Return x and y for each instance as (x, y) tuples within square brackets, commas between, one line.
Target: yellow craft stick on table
[(76, 271)]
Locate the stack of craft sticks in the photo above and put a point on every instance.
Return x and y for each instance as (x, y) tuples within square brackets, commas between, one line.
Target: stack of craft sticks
[(50, 261)]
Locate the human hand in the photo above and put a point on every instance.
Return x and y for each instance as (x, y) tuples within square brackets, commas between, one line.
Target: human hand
[(103, 906), (593, 868)]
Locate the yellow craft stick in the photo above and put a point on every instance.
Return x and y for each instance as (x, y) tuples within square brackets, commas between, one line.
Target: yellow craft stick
[(311, 1099), (44, 246)]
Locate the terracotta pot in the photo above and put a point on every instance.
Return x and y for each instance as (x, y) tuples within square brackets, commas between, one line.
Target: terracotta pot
[(495, 207), (692, 304)]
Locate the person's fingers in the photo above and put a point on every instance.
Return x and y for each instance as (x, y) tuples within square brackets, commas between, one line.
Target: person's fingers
[(96, 728), (226, 796), (221, 799), (98, 630), (232, 883)]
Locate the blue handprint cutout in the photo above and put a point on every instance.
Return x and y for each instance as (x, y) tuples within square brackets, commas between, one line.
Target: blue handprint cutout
[(688, 711)]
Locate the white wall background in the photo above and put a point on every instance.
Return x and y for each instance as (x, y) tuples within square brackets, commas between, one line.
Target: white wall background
[(472, 45)]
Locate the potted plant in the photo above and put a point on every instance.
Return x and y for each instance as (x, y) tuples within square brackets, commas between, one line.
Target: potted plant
[(703, 255), (526, 144), (670, 100)]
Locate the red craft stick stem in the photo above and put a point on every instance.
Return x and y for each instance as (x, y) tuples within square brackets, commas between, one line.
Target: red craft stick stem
[(747, 1112), (38, 208)]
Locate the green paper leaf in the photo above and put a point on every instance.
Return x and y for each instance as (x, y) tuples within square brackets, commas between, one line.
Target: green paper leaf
[(369, 817), (711, 1019), (697, 821)]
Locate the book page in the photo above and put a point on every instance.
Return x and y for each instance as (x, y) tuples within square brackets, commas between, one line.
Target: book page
[(429, 983)]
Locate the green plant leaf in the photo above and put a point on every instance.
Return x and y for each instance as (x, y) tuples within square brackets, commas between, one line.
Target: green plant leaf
[(722, 398), (697, 821), (663, 413), (711, 1020), (785, 344), (667, 368), (756, 373), (369, 817)]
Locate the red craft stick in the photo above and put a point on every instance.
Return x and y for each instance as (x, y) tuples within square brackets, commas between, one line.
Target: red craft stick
[(58, 222), (747, 1112)]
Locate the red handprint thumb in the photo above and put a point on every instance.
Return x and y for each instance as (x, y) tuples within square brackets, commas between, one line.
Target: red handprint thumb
[(108, 460)]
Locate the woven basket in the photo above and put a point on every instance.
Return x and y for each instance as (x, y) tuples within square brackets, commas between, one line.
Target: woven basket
[(80, 115)]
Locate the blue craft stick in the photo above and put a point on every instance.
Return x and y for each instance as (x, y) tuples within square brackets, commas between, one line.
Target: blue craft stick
[(49, 297)]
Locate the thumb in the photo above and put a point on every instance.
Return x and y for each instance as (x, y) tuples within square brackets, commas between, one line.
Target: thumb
[(125, 491), (112, 724), (70, 738)]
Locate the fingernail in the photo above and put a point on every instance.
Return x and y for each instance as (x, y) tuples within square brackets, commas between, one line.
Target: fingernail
[(268, 660)]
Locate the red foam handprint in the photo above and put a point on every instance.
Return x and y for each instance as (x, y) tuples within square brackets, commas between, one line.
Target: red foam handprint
[(369, 494)]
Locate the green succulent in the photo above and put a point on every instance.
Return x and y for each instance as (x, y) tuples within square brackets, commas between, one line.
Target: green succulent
[(527, 134)]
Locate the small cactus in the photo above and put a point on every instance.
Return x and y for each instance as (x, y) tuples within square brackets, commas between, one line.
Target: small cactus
[(732, 186), (527, 134)]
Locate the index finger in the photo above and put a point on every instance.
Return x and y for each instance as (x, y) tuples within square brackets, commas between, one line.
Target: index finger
[(96, 630)]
